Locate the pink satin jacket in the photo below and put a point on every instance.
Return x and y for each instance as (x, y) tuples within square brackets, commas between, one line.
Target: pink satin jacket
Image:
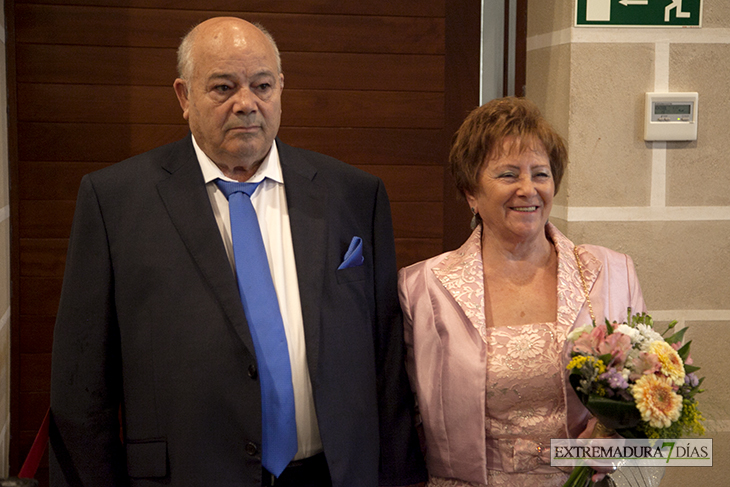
[(443, 307)]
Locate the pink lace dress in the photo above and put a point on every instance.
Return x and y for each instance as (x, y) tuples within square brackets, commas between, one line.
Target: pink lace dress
[(525, 406)]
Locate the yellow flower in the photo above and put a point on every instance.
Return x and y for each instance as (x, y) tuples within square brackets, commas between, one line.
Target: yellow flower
[(693, 418), (659, 405), (670, 360), (579, 361)]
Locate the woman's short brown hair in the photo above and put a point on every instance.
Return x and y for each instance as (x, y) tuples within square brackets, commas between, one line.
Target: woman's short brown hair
[(481, 136)]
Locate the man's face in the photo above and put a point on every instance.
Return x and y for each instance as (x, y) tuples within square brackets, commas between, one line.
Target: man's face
[(232, 99)]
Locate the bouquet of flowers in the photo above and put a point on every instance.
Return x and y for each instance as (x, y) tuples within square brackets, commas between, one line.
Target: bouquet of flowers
[(636, 382)]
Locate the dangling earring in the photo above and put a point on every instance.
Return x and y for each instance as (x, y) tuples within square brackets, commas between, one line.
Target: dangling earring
[(474, 218)]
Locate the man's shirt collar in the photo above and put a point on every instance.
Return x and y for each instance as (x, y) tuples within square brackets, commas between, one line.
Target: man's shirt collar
[(270, 167)]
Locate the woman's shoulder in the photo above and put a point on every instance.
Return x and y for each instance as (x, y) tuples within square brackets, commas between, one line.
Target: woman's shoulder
[(447, 261), (605, 254), (424, 266), (597, 252)]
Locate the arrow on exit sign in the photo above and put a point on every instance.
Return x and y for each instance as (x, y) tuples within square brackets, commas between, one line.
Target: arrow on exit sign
[(638, 13)]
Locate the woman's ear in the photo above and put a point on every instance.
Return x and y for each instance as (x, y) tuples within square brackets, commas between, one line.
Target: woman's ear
[(472, 201)]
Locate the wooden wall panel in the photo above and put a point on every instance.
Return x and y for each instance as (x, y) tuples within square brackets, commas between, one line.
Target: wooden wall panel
[(43, 257), (45, 218), (371, 83), (106, 26), (34, 406), (101, 142), (36, 333), (157, 104), (53, 180), (303, 70), (104, 142), (371, 7)]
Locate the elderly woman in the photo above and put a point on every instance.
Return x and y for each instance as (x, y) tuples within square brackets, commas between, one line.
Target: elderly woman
[(486, 324)]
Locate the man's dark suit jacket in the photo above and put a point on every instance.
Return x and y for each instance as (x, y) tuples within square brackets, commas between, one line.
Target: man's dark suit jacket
[(150, 320)]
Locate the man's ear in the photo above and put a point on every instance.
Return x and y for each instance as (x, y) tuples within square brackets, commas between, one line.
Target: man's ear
[(181, 90)]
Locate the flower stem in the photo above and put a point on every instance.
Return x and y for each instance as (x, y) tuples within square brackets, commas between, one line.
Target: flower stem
[(580, 477)]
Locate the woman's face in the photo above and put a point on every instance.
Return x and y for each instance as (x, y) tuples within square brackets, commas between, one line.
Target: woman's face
[(515, 193)]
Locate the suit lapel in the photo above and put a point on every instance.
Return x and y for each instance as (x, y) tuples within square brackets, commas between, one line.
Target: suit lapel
[(571, 294), (186, 199), (461, 274), (306, 199)]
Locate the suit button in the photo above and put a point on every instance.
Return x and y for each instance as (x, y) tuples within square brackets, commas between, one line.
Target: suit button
[(252, 372), (251, 448)]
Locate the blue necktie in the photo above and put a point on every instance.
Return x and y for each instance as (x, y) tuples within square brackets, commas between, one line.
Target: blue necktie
[(279, 431)]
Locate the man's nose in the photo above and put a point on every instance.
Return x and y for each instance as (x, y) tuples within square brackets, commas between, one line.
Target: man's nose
[(244, 101)]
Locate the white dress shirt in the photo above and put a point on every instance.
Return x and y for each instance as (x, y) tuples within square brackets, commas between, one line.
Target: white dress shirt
[(269, 201)]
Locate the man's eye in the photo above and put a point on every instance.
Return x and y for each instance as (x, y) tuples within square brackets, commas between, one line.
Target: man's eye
[(263, 87), (222, 88)]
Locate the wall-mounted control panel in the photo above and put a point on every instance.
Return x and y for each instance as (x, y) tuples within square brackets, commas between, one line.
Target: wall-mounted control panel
[(670, 116)]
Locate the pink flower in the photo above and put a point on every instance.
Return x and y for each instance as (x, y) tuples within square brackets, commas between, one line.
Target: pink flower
[(618, 345), (646, 363), (588, 343)]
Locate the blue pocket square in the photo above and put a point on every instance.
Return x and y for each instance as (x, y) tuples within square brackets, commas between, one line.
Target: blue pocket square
[(353, 256)]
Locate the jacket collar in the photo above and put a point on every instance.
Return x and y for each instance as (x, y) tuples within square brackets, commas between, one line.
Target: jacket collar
[(461, 273)]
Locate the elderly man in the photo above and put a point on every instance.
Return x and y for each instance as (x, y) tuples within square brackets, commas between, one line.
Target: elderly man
[(244, 334)]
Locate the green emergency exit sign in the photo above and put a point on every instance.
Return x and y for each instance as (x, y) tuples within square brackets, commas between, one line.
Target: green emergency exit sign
[(638, 13)]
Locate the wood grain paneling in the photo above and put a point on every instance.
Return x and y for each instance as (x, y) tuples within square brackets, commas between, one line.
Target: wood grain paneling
[(375, 72), (45, 218), (140, 27), (428, 8), (34, 405), (149, 66), (417, 219), (385, 109), (154, 104), (411, 250), (410, 183), (92, 142), (463, 64), (39, 296), (35, 372), (103, 142), (36, 333), (43, 257), (53, 180)]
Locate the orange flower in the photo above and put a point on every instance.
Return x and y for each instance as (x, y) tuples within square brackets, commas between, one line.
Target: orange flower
[(670, 360), (659, 405)]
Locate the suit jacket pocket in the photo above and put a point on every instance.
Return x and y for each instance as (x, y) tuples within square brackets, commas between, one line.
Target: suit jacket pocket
[(350, 274), (147, 458)]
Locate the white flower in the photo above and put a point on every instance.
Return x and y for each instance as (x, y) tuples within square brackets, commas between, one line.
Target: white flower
[(576, 333), (648, 336), (632, 333)]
